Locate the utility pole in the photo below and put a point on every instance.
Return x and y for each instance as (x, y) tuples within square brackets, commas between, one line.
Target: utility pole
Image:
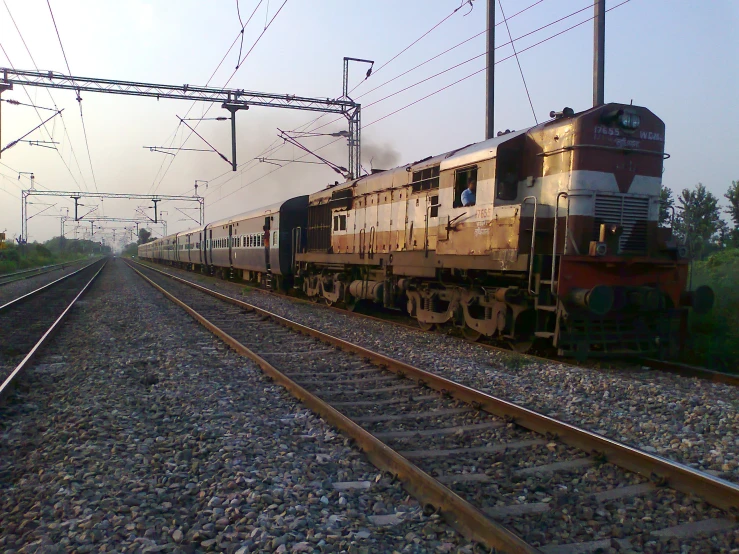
[(490, 80), (599, 52)]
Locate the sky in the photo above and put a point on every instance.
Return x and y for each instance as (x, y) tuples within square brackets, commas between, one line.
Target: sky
[(676, 57)]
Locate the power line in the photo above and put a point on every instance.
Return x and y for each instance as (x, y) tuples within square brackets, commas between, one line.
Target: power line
[(537, 2), (64, 126), (17, 103), (179, 126), (496, 63), (413, 103), (520, 69), (241, 61), (459, 64), (79, 98)]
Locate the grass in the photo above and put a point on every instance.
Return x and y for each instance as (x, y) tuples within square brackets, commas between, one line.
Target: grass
[(514, 360), (714, 341), (13, 258)]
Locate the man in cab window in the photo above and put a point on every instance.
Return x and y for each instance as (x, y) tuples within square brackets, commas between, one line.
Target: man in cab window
[(468, 194)]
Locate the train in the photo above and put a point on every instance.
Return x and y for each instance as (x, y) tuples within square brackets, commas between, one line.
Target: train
[(550, 234)]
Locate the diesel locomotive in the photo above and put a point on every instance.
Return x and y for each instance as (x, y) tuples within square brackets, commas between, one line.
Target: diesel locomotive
[(549, 233)]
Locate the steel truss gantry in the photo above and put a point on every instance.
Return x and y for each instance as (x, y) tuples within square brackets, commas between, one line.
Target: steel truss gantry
[(232, 100), (77, 195), (105, 219)]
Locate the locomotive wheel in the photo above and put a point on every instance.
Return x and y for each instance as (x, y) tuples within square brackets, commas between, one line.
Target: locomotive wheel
[(426, 326), (521, 346), (470, 334), (328, 302), (351, 305)]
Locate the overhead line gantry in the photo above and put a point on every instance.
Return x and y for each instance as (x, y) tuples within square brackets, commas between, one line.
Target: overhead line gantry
[(232, 100)]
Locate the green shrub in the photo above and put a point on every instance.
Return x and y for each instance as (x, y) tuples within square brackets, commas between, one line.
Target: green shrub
[(715, 336)]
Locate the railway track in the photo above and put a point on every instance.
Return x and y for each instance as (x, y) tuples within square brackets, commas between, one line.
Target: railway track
[(637, 364), (33, 272), (505, 476), (27, 322)]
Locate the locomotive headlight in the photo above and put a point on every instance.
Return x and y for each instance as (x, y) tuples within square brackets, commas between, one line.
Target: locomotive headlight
[(629, 120)]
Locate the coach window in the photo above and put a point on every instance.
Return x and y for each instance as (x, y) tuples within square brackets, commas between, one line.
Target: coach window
[(462, 179), (342, 222), (336, 223)]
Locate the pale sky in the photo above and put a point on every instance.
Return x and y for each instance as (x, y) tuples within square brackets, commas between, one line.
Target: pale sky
[(676, 57)]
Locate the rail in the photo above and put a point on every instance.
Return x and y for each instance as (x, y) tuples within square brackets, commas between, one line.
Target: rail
[(8, 278), (460, 513), (34, 292), (716, 491), (28, 358)]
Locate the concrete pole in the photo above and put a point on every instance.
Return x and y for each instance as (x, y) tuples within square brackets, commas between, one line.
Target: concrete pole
[(599, 52), (490, 81)]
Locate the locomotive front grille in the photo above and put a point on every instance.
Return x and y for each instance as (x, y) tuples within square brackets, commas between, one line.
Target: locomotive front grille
[(628, 212)]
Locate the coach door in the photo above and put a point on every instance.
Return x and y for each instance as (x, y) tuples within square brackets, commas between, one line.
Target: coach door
[(209, 247), (265, 241), (200, 247), (230, 249)]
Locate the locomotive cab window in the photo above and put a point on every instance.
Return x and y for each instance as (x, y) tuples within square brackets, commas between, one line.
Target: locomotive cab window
[(462, 180), (508, 168)]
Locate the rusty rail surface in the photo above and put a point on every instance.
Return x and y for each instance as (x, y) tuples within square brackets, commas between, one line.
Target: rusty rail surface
[(16, 276), (462, 515), (692, 371), (717, 492), (677, 368), (23, 365), (26, 296)]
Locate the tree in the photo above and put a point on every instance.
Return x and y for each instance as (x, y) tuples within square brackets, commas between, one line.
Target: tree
[(698, 219), (666, 205), (144, 236), (733, 210)]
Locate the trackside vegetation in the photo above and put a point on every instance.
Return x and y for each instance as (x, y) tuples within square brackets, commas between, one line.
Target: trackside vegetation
[(14, 257), (714, 341)]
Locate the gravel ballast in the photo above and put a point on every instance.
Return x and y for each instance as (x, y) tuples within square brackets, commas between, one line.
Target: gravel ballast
[(138, 431), (691, 421), (15, 289)]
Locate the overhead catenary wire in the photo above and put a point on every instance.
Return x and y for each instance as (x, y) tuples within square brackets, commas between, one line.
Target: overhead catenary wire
[(309, 123), (223, 59), (413, 103), (64, 126), (241, 61), (411, 86), (79, 97), (17, 103), (496, 63), (424, 35), (518, 61), (511, 42)]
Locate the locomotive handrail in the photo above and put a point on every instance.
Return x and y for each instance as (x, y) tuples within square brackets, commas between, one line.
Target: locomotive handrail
[(533, 239), (664, 155), (371, 249), (295, 247), (554, 239), (362, 237)]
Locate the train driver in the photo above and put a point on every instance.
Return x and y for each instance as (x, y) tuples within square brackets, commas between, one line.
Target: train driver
[(468, 194)]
